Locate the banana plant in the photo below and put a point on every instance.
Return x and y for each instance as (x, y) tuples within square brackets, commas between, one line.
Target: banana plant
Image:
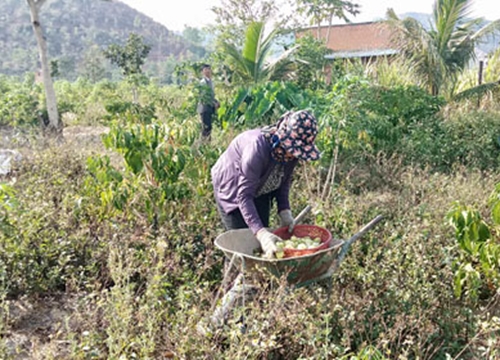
[(257, 105)]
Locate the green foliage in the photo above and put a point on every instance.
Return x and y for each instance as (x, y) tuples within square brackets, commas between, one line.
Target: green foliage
[(396, 111), (368, 353), (154, 163), (442, 52), (471, 138), (131, 112), (93, 65), (407, 122), (49, 244), (263, 104), (129, 57), (365, 119), (477, 267), (392, 72), (342, 115), (321, 10), (234, 16), (19, 102), (311, 62), (130, 230), (8, 202), (252, 64)]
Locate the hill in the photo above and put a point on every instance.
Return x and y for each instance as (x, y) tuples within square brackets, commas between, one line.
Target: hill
[(76, 29)]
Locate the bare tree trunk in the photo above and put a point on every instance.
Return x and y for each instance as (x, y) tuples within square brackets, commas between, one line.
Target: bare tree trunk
[(318, 28), (330, 20), (54, 125), (330, 178), (135, 94)]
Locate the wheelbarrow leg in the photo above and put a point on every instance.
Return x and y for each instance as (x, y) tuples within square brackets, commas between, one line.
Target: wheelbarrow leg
[(239, 291), (329, 288)]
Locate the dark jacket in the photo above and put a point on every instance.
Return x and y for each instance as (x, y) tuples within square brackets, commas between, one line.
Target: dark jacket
[(207, 101)]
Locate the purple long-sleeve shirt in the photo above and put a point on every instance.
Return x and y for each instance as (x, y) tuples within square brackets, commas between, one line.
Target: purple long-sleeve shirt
[(240, 172)]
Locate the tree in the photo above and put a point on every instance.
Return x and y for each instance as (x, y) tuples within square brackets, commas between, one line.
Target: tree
[(129, 58), (442, 52), (54, 125), (234, 16), (92, 65), (253, 64), (325, 10), (311, 62), (194, 35)]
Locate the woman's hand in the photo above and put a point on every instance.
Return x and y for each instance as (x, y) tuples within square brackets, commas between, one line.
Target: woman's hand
[(267, 242), (287, 219)]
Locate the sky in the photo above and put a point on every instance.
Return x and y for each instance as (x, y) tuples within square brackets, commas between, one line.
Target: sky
[(175, 14)]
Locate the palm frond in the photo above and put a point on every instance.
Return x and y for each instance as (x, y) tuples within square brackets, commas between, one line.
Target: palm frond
[(251, 64), (252, 39), (487, 30), (264, 51), (447, 16), (251, 49), (243, 66), (281, 65), (477, 91)]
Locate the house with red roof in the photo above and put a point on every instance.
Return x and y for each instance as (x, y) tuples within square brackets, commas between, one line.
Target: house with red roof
[(367, 41)]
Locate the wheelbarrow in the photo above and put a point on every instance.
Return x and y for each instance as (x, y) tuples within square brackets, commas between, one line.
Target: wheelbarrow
[(240, 245)]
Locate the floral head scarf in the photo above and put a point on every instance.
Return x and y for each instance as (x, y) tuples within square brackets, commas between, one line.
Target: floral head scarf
[(294, 133)]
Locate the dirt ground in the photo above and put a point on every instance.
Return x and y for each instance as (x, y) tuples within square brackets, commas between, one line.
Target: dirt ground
[(14, 138), (33, 328)]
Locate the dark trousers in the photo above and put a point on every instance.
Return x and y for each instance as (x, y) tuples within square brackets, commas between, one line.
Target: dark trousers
[(234, 220), (206, 122)]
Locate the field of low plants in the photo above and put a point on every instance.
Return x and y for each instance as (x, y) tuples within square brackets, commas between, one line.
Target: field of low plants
[(107, 212), (107, 249)]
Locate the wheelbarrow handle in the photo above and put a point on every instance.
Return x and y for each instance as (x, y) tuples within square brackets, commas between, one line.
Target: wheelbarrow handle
[(360, 233), (299, 218), (365, 228), (301, 215)]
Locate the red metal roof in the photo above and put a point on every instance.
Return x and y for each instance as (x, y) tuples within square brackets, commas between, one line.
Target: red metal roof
[(354, 37)]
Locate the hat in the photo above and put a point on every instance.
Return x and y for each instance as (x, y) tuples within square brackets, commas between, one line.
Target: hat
[(297, 133)]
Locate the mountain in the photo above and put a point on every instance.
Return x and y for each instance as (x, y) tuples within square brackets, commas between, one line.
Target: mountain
[(75, 31)]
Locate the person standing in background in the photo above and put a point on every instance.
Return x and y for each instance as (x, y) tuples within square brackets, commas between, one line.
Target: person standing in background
[(207, 104)]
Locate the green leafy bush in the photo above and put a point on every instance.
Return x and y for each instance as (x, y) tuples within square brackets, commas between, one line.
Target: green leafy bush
[(51, 242), (477, 267), (20, 102), (263, 104)]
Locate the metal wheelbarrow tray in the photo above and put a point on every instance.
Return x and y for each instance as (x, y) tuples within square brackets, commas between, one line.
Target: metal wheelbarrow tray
[(239, 246)]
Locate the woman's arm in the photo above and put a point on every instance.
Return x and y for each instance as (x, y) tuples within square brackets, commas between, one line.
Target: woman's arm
[(249, 179)]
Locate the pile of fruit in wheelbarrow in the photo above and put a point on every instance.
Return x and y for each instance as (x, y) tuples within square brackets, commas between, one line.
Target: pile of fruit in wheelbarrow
[(303, 240), (299, 239)]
